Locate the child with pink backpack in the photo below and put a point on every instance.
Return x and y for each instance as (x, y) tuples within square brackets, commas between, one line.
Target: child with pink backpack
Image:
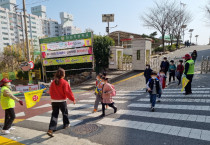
[(108, 91)]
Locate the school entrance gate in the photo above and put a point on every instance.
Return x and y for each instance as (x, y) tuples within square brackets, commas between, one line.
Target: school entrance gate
[(133, 58)]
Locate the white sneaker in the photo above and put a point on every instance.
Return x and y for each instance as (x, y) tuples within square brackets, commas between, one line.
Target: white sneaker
[(11, 129), (5, 132)]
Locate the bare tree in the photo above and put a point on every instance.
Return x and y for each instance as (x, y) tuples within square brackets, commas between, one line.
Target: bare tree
[(157, 18), (207, 9), (181, 17), (168, 18)]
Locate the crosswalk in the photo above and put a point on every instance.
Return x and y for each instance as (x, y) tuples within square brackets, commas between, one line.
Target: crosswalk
[(176, 115)]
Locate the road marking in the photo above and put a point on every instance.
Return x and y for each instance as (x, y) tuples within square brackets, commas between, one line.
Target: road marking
[(92, 101), (132, 91), (128, 94), (115, 97), (46, 119), (162, 115), (15, 121), (194, 89), (179, 92), (43, 106), (20, 114), (184, 96), (187, 100), (128, 78), (179, 107), (6, 141), (159, 128)]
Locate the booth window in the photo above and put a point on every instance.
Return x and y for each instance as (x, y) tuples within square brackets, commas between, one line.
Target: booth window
[(138, 54)]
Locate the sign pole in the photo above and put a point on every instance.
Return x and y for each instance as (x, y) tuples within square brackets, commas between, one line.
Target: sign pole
[(93, 62), (43, 76)]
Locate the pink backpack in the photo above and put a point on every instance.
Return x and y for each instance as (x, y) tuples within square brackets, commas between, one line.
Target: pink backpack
[(114, 91)]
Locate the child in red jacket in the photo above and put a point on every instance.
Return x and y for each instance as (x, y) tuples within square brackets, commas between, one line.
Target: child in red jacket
[(179, 71), (162, 78)]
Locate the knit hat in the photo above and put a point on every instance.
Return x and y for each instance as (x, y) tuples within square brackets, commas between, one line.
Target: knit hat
[(187, 56), (3, 81)]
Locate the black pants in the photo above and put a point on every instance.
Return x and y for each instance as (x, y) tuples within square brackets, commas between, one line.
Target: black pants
[(188, 88), (110, 105), (179, 77), (56, 106), (172, 74), (9, 118)]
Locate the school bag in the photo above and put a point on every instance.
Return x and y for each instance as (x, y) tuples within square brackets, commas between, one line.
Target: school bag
[(114, 91)]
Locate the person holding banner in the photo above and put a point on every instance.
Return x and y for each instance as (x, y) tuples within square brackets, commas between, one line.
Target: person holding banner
[(59, 92), (8, 104), (189, 73)]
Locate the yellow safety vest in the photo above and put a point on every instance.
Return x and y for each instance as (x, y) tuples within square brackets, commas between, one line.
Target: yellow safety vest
[(6, 102)]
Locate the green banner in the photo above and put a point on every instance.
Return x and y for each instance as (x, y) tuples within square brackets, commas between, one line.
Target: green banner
[(1, 76), (12, 76), (66, 38)]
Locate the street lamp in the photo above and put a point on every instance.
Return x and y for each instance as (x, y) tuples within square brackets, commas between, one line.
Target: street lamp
[(107, 18), (183, 27), (191, 30), (196, 36)]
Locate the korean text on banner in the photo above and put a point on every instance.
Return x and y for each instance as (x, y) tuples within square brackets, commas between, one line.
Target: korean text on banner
[(68, 60), (184, 83), (66, 45), (66, 38), (33, 97), (65, 53)]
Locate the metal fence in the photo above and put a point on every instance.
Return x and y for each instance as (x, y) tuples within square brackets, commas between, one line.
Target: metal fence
[(125, 63), (205, 65), (155, 62)]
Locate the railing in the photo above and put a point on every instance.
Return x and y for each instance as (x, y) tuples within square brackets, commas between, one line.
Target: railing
[(125, 63), (205, 65), (156, 61)]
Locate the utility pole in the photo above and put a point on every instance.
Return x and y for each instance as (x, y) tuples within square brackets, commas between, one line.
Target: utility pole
[(26, 31)]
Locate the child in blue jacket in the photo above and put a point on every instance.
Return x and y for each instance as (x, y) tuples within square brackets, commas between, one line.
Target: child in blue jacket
[(154, 88)]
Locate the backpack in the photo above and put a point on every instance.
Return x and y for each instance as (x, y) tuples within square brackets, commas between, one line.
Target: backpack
[(114, 91)]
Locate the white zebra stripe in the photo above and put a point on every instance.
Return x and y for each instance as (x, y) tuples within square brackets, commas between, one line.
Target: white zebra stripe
[(187, 100), (162, 115), (179, 107), (159, 128), (46, 119)]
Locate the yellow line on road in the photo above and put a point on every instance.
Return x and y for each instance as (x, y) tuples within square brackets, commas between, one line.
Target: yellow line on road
[(15, 121), (128, 78), (6, 141)]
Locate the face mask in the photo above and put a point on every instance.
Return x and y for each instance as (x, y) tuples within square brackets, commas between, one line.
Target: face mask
[(153, 77), (161, 74), (147, 67), (8, 85), (102, 83)]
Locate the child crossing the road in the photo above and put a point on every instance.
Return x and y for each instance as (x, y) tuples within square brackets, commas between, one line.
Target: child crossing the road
[(154, 88), (98, 92), (162, 78), (107, 93), (172, 70)]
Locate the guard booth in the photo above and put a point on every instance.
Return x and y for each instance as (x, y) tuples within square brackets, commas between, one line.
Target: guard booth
[(116, 55), (141, 52)]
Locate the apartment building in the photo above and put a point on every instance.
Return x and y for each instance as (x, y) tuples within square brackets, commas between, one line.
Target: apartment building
[(12, 30)]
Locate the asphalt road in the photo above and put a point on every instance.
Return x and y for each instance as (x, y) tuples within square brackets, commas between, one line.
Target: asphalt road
[(178, 119)]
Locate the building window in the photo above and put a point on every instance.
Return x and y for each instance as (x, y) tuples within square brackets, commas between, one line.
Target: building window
[(138, 54), (2, 11), (4, 28), (3, 22), (4, 33), (5, 38), (6, 43)]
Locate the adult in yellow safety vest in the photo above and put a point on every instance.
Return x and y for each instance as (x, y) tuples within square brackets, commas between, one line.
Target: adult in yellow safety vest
[(189, 72), (8, 104)]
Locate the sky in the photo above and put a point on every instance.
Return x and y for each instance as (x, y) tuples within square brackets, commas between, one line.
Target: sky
[(88, 14)]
